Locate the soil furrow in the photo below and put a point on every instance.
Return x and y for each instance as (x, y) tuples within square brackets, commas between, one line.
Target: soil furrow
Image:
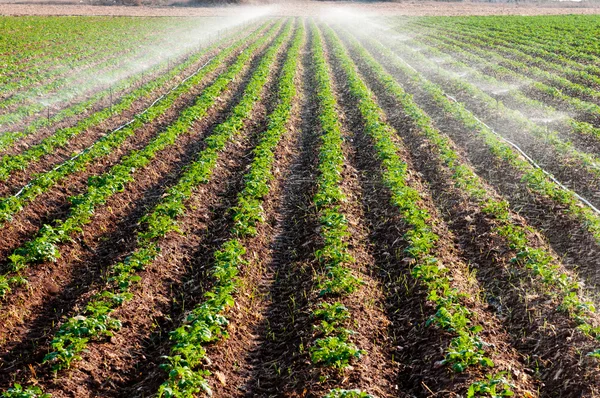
[(280, 332), (535, 326), (55, 288), (54, 203)]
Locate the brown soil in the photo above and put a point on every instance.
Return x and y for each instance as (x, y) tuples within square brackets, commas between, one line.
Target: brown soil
[(85, 139), (109, 236), (524, 309), (232, 361), (305, 8), (281, 330)]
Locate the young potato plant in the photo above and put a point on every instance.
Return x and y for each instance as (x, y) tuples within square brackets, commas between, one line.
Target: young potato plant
[(17, 391), (60, 138), (565, 152), (11, 205), (340, 393), (333, 348), (44, 247), (207, 324), (542, 264), (535, 178), (73, 335), (467, 348)]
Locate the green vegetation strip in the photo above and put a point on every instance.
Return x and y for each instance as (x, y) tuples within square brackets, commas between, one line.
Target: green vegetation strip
[(44, 247), (72, 86), (493, 61), (516, 95), (531, 53), (536, 180), (518, 61), (564, 149), (538, 260), (73, 336), (467, 348), (60, 138), (206, 323), (333, 348), (11, 205)]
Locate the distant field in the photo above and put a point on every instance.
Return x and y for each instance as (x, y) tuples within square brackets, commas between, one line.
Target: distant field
[(265, 206), (303, 8)]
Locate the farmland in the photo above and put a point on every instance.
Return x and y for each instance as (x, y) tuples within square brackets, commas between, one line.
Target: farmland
[(271, 206)]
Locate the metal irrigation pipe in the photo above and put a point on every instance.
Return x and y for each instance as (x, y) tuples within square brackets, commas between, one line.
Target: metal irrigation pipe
[(532, 162), (525, 155)]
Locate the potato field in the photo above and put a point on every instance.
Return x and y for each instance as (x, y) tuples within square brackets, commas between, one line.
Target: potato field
[(335, 206)]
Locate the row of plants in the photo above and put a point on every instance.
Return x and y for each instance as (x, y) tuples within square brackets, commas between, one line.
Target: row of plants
[(571, 36), (538, 260), (60, 138), (481, 59), (119, 90), (44, 247), (535, 178), (507, 59), (467, 348), (563, 151), (207, 322), (575, 82), (73, 336), (495, 62), (11, 205), (112, 67), (511, 90), (37, 49), (332, 346), (533, 53)]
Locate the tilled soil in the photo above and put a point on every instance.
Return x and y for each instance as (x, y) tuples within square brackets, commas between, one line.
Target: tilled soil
[(55, 288)]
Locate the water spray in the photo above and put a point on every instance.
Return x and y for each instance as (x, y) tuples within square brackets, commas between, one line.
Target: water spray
[(532, 162)]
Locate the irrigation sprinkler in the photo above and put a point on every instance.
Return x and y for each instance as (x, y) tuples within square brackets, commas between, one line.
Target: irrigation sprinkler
[(497, 109), (110, 90), (48, 114)]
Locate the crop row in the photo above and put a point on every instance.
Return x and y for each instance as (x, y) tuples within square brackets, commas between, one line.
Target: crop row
[(516, 95), (535, 178), (72, 337), (514, 68), (33, 67), (60, 138), (44, 247), (541, 263), (11, 205), (467, 348), (116, 68), (207, 322), (119, 89), (564, 153), (569, 36), (538, 55), (333, 348), (550, 72)]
